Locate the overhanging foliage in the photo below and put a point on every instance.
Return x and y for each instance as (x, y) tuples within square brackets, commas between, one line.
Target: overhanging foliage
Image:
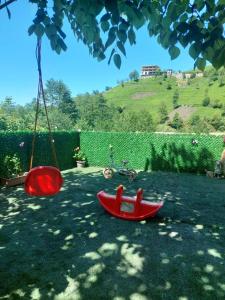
[(175, 23)]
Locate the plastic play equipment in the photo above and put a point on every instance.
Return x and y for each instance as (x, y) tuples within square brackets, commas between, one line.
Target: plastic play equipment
[(42, 180), (122, 170), (141, 209)]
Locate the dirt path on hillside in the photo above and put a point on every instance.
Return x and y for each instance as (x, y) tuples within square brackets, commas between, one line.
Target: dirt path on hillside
[(141, 95), (184, 112)]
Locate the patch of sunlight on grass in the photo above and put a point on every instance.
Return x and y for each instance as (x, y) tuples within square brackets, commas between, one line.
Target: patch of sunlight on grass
[(199, 226), (178, 255), (215, 234), (92, 274), (208, 268), (86, 203), (69, 237), (165, 261), (122, 238), (56, 232), (88, 216), (142, 222), (221, 285), (118, 298), (208, 287), (13, 213), (182, 298), (214, 253), (162, 224), (162, 233), (173, 234), (1, 226), (108, 249), (200, 252), (92, 235), (142, 288), (167, 285), (137, 296), (204, 279), (35, 294), (92, 255), (18, 292), (66, 246), (132, 262), (71, 291), (34, 206)]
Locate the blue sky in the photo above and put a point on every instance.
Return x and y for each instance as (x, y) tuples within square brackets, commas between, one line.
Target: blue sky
[(78, 70)]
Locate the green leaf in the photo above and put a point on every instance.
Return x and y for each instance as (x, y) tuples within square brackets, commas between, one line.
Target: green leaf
[(138, 20), (184, 40), (31, 29), (208, 53), (117, 60), (39, 30), (105, 26), (131, 36), (173, 38), (101, 56), (53, 42), (183, 27), (121, 47), (195, 50), (62, 44), (63, 35), (111, 37), (58, 49), (105, 17), (122, 35), (200, 63), (184, 17), (123, 25), (174, 52), (50, 30), (112, 52), (46, 21)]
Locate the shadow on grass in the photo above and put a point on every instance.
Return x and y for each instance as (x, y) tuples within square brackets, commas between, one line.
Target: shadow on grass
[(68, 247)]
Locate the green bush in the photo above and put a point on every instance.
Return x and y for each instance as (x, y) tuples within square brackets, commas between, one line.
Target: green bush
[(206, 101), (12, 166)]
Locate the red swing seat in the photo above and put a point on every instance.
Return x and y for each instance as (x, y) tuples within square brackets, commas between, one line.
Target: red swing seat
[(43, 181)]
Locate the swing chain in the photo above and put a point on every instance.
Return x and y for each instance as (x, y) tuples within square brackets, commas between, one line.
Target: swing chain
[(41, 94)]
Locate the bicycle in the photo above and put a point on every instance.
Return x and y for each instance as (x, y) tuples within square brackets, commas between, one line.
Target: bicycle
[(122, 170)]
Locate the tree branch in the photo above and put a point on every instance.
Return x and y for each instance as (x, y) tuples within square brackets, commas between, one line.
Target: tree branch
[(6, 3)]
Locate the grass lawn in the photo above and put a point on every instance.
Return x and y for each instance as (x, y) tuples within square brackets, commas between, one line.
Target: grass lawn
[(68, 247)]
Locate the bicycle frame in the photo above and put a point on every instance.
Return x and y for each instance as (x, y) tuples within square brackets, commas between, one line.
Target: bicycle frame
[(113, 164)]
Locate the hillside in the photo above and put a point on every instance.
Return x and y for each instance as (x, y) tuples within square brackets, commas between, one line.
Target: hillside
[(149, 93)]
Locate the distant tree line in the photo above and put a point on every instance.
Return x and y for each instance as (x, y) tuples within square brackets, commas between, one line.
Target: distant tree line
[(91, 111)]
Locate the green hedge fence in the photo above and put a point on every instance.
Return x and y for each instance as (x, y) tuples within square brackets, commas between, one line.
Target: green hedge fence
[(20, 143), (145, 151), (154, 151)]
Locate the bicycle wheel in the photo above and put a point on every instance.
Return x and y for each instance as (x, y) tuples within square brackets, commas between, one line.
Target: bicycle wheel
[(132, 175), (108, 173)]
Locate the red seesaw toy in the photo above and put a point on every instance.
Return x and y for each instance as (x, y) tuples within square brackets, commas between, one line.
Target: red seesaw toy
[(141, 209)]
